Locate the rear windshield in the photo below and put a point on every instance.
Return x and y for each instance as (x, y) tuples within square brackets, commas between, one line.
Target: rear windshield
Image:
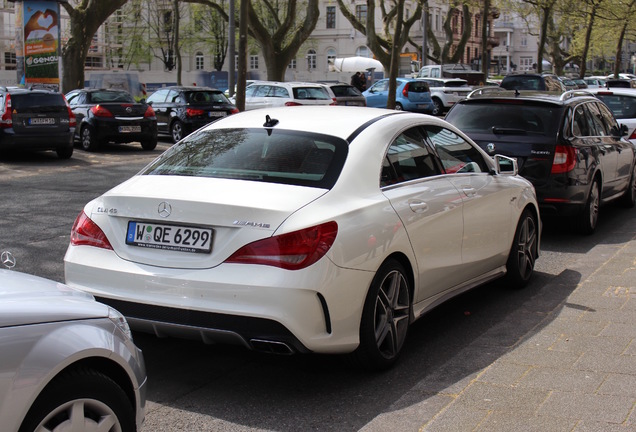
[(345, 91), (418, 87), (280, 156), (523, 82), (506, 117), (206, 97), (622, 106), (111, 96), (22, 101), (456, 84), (312, 93)]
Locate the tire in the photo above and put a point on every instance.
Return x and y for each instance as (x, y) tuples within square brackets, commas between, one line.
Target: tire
[(81, 396), (588, 218), (150, 144), (399, 107), (176, 131), (628, 199), (523, 252), (64, 152), (385, 318), (438, 108), (88, 139)]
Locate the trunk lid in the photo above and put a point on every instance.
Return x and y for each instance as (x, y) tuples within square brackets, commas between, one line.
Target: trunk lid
[(238, 212)]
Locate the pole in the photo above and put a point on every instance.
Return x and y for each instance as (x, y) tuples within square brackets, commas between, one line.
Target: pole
[(232, 49)]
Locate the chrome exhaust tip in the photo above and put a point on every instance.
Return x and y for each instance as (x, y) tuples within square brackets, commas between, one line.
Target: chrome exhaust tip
[(271, 347)]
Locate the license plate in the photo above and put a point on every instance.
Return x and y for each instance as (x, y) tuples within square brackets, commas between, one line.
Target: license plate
[(353, 103), (41, 121), (422, 106), (169, 237), (217, 114), (128, 129)]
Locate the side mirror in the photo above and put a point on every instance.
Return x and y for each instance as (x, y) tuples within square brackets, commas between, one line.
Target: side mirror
[(505, 165), (624, 130), (148, 102)]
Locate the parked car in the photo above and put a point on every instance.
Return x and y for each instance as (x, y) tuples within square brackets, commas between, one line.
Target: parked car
[(622, 103), (32, 119), (620, 83), (446, 91), (532, 81), (569, 146), (181, 110), (594, 82), (569, 83), (227, 91), (268, 94), (106, 115), (319, 229), (411, 94), (346, 94), (580, 83), (67, 362)]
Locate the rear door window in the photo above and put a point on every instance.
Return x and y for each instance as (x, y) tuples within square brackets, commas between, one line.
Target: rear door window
[(418, 87), (27, 101), (409, 157)]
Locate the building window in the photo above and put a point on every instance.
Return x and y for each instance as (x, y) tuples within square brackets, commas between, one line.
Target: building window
[(362, 51), (199, 61), (94, 62), (331, 57), (331, 17), (292, 64), (253, 62), (311, 59), (361, 13), (525, 63), (9, 60), (476, 26)]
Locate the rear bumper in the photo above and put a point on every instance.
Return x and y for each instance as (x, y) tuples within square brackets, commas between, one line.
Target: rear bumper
[(51, 141), (109, 130)]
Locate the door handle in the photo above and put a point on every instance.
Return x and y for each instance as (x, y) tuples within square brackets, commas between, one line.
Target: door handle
[(469, 191), (418, 206)]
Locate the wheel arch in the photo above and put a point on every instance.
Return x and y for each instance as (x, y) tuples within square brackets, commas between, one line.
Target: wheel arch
[(410, 273)]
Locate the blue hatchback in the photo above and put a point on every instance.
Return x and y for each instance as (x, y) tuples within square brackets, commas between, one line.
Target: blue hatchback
[(411, 95)]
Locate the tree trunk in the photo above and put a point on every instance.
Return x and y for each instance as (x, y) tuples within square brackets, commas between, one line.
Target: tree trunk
[(543, 37), (177, 50), (85, 19)]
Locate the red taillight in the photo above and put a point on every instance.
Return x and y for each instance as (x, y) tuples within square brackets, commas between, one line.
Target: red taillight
[(334, 101), (86, 233), (100, 111), (633, 135), (292, 104), (564, 159), (405, 90), (234, 111), (72, 121), (292, 251), (6, 121), (149, 112), (192, 112)]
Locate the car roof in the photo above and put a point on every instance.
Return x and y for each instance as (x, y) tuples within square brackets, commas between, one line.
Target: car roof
[(22, 90), (342, 121), (625, 91), (189, 88)]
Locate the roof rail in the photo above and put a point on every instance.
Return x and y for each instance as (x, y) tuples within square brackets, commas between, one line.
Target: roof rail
[(573, 93)]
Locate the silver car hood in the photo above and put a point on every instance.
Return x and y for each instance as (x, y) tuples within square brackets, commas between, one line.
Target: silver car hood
[(27, 299)]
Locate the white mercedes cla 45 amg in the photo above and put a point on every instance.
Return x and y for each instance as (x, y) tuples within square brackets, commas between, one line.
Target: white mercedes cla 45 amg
[(306, 229)]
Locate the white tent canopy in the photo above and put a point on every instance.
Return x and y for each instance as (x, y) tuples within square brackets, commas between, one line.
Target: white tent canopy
[(356, 64)]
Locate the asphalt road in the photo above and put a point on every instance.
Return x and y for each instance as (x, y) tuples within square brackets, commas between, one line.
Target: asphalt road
[(196, 387)]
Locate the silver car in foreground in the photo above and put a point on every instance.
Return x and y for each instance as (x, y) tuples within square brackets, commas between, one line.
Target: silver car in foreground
[(67, 362)]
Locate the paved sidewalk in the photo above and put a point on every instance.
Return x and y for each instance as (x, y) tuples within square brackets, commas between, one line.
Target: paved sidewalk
[(574, 371)]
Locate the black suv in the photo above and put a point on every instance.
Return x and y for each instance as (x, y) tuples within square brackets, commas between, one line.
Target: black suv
[(569, 146), (36, 120), (533, 81), (181, 110)]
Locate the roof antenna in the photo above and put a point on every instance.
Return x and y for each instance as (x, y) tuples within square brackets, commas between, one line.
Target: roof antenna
[(269, 122), (517, 92)]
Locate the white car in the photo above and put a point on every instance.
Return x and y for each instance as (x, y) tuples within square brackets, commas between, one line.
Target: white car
[(268, 94), (66, 361), (622, 103), (445, 92), (321, 229)]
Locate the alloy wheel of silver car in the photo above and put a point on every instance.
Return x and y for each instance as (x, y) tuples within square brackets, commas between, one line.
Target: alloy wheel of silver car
[(92, 414)]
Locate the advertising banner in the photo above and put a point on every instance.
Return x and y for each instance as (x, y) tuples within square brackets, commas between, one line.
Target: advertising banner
[(41, 36)]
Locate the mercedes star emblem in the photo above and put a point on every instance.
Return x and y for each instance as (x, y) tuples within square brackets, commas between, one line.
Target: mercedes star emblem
[(7, 259), (164, 209), (128, 109), (491, 148)]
